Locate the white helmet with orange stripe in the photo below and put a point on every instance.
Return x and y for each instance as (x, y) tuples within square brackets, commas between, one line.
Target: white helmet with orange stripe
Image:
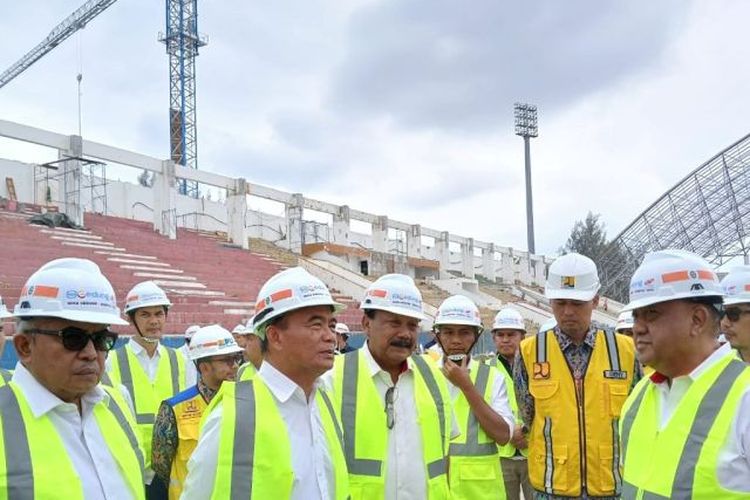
[(673, 274), (395, 293)]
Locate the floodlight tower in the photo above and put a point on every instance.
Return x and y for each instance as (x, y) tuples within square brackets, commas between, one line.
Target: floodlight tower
[(526, 127)]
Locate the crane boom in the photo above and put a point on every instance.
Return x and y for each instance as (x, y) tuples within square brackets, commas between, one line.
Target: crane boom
[(59, 33)]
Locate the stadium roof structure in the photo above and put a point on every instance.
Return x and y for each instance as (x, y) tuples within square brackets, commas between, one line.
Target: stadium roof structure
[(707, 212)]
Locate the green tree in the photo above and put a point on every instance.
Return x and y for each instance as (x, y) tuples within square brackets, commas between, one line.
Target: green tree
[(588, 237)]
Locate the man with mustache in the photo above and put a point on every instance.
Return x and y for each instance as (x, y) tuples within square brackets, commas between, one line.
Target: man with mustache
[(63, 434), (395, 408), (274, 434), (480, 401), (571, 383), (150, 371), (686, 428), (736, 320)]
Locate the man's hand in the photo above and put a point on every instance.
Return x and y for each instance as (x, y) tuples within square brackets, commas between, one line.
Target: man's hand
[(518, 439), (457, 374)]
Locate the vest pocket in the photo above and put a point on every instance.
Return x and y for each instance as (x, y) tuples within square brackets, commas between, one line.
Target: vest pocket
[(543, 392), (618, 393), (554, 470), (479, 470)]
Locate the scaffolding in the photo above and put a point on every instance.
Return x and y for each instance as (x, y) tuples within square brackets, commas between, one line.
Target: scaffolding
[(74, 183)]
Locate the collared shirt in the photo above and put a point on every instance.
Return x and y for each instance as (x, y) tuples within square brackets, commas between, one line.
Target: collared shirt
[(150, 364), (314, 476), (577, 357), (498, 399), (405, 476), (81, 437), (166, 436), (733, 469)]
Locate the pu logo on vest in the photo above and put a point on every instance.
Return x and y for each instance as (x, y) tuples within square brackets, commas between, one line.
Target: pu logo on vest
[(541, 370), (192, 410)]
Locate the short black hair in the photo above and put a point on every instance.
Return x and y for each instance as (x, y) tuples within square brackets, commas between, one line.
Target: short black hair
[(370, 313)]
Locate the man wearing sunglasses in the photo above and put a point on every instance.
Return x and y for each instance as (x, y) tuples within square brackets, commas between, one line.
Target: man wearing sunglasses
[(736, 321), (63, 434), (685, 429), (216, 356), (150, 371), (274, 434), (480, 402)]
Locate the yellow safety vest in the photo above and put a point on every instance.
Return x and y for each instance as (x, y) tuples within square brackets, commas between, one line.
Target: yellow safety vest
[(188, 408), (574, 437), (147, 396), (508, 450), (474, 466), (255, 457), (363, 419), (680, 460), (246, 371), (35, 464)]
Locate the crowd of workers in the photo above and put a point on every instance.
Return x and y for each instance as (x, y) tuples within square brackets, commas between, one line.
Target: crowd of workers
[(282, 408)]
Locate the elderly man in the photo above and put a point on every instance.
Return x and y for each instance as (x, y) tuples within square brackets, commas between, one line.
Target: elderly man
[(64, 435), (395, 408), (571, 383), (736, 321), (685, 429), (275, 434), (216, 357)]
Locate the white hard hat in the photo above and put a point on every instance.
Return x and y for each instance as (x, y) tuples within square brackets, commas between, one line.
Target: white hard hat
[(240, 329), (72, 289), (145, 294), (395, 293), (249, 323), (341, 328), (736, 286), (508, 318), (458, 310), (572, 276), (624, 321), (212, 340), (550, 324), (672, 274), (191, 331), (291, 289), (4, 313)]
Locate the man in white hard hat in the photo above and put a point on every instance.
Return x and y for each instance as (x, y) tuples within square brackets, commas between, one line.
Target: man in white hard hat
[(508, 329), (191, 375), (395, 408), (150, 371), (342, 336), (5, 375), (624, 323), (63, 434), (275, 434), (253, 352), (736, 321), (685, 429), (571, 383), (480, 401), (216, 356)]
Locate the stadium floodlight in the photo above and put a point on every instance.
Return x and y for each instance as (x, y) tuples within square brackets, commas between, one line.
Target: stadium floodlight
[(526, 127)]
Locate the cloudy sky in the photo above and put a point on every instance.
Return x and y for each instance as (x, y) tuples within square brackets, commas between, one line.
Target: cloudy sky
[(405, 107)]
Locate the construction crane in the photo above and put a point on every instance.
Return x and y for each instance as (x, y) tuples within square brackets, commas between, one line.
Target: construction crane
[(182, 41), (62, 31)]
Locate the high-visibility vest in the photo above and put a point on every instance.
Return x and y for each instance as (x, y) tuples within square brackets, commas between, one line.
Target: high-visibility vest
[(147, 396), (255, 453), (363, 419), (35, 464), (188, 408), (474, 466), (681, 459), (246, 371), (508, 450), (574, 437), (5, 376)]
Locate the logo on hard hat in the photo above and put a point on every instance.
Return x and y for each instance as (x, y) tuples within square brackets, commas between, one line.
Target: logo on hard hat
[(568, 281)]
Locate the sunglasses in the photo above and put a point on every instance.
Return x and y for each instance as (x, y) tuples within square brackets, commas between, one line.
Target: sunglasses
[(76, 339), (733, 314), (390, 416), (229, 360)]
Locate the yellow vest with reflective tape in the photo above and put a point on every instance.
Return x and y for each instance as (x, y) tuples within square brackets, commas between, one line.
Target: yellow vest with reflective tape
[(188, 408), (35, 464), (574, 437), (664, 463), (147, 397), (255, 457), (361, 410), (246, 371), (508, 450), (474, 466)]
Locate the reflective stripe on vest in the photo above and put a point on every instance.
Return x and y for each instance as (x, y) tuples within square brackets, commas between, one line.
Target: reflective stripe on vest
[(20, 482), (5, 375), (549, 464), (438, 467), (708, 411), (106, 380), (472, 447), (125, 426), (359, 466)]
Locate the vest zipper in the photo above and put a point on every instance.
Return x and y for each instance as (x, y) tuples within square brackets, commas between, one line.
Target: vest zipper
[(581, 431)]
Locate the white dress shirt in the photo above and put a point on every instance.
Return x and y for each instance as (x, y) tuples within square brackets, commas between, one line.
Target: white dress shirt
[(498, 399), (734, 458), (84, 443), (150, 364), (314, 476)]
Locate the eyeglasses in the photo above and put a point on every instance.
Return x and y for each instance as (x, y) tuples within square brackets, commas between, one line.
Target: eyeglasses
[(230, 360), (734, 313), (76, 339), (390, 416)]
